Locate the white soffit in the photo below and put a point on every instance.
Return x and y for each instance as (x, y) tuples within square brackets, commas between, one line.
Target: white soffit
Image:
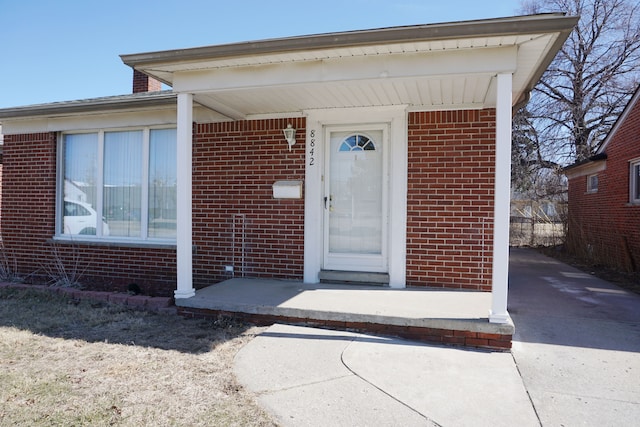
[(445, 79), (453, 74)]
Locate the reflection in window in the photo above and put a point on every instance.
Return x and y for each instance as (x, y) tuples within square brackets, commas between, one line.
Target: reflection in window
[(635, 182), (162, 183), (592, 183), (357, 142), (80, 180), (74, 209), (123, 182)]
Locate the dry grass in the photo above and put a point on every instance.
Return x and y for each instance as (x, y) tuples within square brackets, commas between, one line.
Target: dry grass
[(69, 363)]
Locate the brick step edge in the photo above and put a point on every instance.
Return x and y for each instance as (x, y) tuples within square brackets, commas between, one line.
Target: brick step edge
[(479, 340), (140, 302)]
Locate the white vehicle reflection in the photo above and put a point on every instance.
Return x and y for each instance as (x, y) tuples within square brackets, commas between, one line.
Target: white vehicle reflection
[(81, 218)]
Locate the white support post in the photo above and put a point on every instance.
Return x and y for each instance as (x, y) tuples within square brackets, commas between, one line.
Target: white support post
[(502, 197), (184, 238)]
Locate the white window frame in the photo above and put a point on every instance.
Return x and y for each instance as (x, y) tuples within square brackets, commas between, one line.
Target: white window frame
[(144, 206), (633, 165), (590, 187)]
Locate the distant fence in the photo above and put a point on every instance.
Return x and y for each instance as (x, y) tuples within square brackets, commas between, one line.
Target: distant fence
[(534, 231)]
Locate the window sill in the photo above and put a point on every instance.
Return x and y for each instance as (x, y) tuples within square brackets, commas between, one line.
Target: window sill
[(149, 244)]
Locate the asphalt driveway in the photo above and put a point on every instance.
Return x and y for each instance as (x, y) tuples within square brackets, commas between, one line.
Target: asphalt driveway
[(577, 343)]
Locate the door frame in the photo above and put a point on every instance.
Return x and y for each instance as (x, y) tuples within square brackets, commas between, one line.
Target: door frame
[(366, 263), (317, 121)]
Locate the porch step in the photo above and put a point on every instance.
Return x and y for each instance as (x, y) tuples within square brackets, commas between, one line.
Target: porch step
[(465, 335), (429, 315), (356, 277)]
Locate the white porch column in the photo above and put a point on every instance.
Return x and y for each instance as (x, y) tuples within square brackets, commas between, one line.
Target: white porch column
[(502, 197), (184, 239)]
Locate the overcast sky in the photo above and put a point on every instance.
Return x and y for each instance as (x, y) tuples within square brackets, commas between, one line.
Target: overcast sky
[(68, 49)]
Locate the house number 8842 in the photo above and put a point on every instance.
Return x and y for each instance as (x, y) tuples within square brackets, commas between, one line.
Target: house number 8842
[(312, 147)]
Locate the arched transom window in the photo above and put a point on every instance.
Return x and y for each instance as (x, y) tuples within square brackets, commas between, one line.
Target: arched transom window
[(357, 142)]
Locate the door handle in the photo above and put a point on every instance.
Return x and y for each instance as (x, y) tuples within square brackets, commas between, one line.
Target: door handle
[(330, 198)]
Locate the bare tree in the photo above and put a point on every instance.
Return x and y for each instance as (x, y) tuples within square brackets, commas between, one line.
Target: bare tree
[(588, 84), (527, 162)]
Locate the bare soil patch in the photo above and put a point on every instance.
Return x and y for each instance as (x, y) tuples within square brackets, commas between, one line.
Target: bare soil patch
[(70, 363)]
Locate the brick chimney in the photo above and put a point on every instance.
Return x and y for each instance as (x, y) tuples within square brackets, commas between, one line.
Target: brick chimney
[(144, 83)]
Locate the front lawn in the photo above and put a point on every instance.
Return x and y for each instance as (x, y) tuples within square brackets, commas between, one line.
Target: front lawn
[(71, 363)]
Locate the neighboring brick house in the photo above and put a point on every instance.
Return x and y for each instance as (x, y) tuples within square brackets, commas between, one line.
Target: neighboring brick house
[(1, 146), (398, 170), (604, 197)]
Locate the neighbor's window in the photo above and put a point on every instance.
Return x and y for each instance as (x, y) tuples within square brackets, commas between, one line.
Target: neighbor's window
[(634, 183), (592, 183), (119, 184)]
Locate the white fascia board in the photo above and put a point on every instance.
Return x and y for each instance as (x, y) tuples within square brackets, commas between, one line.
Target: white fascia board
[(452, 107), (94, 120), (586, 169), (280, 115), (360, 115), (105, 120), (437, 64)]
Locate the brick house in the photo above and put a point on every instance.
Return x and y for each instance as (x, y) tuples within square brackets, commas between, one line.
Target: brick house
[(604, 197), (1, 146), (398, 171)]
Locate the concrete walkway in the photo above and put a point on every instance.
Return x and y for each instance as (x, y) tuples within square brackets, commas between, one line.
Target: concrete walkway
[(577, 362), (316, 377)]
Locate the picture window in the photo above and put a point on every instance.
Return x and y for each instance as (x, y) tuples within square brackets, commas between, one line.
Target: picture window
[(118, 184)]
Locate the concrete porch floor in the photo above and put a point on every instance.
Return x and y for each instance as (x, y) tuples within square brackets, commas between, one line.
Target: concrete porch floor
[(429, 315)]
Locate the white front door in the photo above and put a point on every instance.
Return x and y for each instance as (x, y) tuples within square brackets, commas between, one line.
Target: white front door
[(355, 196)]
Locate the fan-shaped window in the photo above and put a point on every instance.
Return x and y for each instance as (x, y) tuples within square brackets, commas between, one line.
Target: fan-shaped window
[(357, 142)]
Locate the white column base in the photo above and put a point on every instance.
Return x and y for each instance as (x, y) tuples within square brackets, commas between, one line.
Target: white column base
[(184, 293), (498, 318)]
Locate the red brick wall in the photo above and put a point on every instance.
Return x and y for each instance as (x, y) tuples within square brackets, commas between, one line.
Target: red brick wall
[(603, 225), (234, 167), (0, 196), (28, 218), (450, 199), (450, 202), (28, 188)]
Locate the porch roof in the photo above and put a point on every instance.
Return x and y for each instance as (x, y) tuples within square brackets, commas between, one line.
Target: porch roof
[(425, 67)]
